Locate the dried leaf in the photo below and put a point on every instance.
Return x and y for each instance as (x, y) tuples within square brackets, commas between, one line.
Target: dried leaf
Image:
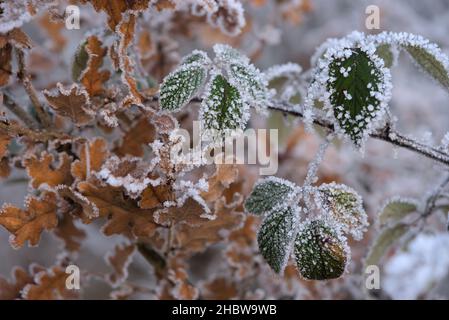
[(49, 285), (10, 290), (42, 171), (92, 77), (69, 233), (27, 225), (97, 152), (115, 9), (119, 260), (124, 217), (73, 103), (138, 136)]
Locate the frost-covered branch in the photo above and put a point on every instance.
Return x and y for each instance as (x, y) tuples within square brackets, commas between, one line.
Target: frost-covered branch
[(387, 134)]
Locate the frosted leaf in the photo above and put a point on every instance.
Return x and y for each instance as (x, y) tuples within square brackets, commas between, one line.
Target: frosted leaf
[(396, 209), (196, 56), (321, 252), (180, 86), (387, 54), (345, 207), (428, 56), (283, 70), (226, 54), (269, 193), (384, 241), (222, 107), (352, 84), (276, 235), (251, 83), (360, 80), (13, 14)]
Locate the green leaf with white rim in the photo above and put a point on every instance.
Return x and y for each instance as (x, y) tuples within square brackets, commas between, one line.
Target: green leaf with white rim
[(180, 86), (222, 107), (351, 83), (250, 81), (383, 242), (320, 252), (385, 52), (397, 209), (195, 56), (430, 64), (276, 235), (268, 194)]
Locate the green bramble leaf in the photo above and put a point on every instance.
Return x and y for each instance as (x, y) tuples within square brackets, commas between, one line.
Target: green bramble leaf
[(321, 252), (353, 83), (345, 206), (275, 236), (384, 241), (80, 60), (384, 51), (195, 56), (222, 107), (180, 86), (251, 82), (430, 64), (396, 209), (268, 194), (226, 54)]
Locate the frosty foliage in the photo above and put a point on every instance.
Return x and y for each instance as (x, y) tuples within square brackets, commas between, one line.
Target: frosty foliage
[(396, 209), (227, 86), (276, 235), (345, 206), (353, 84), (321, 250), (426, 261), (269, 193)]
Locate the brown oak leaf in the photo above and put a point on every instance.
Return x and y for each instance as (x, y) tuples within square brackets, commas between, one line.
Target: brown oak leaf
[(119, 260), (49, 285), (73, 103), (11, 290), (92, 78), (219, 288), (42, 171), (69, 233), (138, 136), (223, 177), (123, 214), (115, 9), (197, 238), (5, 64), (97, 152), (27, 225)]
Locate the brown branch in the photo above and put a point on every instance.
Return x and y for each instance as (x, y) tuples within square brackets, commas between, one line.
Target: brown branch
[(16, 130), (25, 78), (387, 134), (12, 106)]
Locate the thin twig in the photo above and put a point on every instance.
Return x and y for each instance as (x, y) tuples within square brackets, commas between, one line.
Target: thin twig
[(24, 77), (16, 130), (12, 106)]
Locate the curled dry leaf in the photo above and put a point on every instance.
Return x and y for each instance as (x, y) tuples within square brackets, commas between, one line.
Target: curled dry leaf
[(72, 102), (123, 214), (92, 77), (43, 171), (119, 260), (69, 233), (27, 225), (11, 290), (115, 9), (92, 156), (136, 138), (197, 238), (49, 285)]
